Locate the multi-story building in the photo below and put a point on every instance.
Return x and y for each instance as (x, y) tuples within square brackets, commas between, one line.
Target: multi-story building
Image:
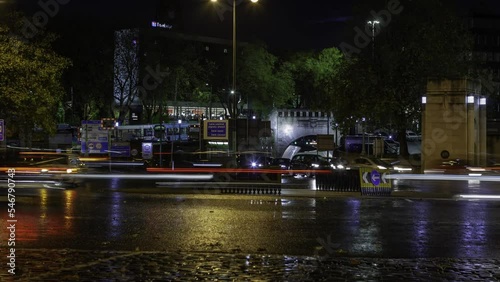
[(144, 75), (144, 68)]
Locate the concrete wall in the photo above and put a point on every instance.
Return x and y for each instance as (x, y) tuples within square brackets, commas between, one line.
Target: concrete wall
[(451, 123), (494, 148)]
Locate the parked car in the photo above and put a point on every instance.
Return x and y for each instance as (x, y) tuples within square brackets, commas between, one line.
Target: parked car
[(411, 136), (306, 164), (283, 163), (391, 147), (378, 164), (253, 160), (384, 134), (461, 166), (339, 163), (455, 166)]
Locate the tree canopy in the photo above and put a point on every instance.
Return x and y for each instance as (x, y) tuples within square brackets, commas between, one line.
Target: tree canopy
[(263, 81), (30, 82), (383, 84)]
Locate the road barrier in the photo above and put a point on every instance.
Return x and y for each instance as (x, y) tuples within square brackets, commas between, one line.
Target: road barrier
[(251, 183), (255, 188), (339, 181), (352, 180)]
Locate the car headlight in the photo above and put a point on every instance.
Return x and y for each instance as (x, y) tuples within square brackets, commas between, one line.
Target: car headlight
[(315, 165), (340, 166), (402, 168), (381, 167), (254, 164)]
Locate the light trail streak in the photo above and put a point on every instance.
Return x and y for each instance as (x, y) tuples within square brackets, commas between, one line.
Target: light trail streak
[(177, 176), (453, 177), (479, 196)]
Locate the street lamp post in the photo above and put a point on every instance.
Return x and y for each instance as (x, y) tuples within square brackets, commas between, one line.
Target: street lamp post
[(373, 23), (363, 143), (233, 90)]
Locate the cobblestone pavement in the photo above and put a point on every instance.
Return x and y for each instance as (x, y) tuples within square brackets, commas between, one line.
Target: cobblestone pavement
[(76, 265)]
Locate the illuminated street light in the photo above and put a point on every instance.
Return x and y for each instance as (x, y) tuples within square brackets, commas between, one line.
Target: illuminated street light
[(373, 23), (233, 90)]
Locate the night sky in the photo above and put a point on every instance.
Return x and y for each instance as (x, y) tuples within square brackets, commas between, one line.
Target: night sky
[(289, 24)]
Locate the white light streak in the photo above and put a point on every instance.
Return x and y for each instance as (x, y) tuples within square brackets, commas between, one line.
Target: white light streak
[(491, 178), (177, 176), (206, 165), (472, 196)]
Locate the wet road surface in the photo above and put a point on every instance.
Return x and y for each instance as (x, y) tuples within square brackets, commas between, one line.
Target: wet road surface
[(107, 217), (101, 214)]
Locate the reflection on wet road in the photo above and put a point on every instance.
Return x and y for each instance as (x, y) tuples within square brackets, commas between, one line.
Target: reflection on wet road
[(101, 214)]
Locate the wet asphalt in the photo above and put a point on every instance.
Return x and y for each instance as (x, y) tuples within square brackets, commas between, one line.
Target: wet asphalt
[(137, 217)]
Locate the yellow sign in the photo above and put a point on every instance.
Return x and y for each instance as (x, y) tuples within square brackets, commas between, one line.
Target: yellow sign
[(374, 178)]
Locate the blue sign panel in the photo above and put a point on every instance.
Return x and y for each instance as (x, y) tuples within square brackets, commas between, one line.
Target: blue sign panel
[(120, 150), (215, 130), (95, 147), (94, 138), (147, 150), (375, 177), (98, 122), (2, 130)]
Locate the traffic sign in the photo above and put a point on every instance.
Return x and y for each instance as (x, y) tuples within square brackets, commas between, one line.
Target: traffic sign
[(325, 142), (147, 150), (215, 130), (375, 182), (374, 178)]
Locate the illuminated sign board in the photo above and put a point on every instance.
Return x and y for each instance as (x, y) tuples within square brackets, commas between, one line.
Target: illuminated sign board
[(147, 150), (215, 130), (161, 25), (94, 139)]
